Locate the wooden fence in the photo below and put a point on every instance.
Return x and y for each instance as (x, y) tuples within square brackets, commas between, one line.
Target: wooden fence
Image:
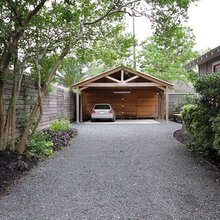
[(59, 102), (176, 100)]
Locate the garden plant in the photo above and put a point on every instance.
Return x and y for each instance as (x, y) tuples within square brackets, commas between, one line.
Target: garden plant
[(202, 120)]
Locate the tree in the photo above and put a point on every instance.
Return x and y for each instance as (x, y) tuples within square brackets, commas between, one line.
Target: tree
[(202, 120), (31, 31), (70, 72), (14, 21), (165, 56), (104, 52)]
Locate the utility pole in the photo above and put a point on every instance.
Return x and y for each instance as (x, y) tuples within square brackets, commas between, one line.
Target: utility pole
[(134, 45)]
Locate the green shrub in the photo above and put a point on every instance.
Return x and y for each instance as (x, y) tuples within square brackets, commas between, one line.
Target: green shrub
[(202, 120), (188, 114), (216, 131), (60, 125), (186, 100), (60, 138), (38, 146)]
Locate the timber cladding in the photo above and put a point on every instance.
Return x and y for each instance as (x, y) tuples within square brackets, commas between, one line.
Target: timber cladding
[(58, 103), (126, 102)]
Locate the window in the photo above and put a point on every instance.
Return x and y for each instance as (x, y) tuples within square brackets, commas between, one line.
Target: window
[(216, 67), (102, 107)]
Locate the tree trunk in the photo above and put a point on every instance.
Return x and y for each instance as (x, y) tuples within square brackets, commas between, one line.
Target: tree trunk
[(2, 121), (40, 101), (4, 62), (14, 100), (22, 143)]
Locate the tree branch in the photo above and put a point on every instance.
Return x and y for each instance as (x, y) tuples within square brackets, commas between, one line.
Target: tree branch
[(28, 20), (15, 12), (173, 58), (111, 12), (36, 9), (22, 143)]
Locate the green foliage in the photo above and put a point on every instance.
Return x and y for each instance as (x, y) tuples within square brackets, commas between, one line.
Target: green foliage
[(186, 100), (45, 142), (202, 121), (38, 146), (188, 114), (46, 65), (106, 51), (71, 71), (216, 131), (60, 138), (165, 58), (62, 125), (167, 15), (36, 31), (209, 87)]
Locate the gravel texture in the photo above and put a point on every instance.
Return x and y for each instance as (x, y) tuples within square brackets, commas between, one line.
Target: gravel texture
[(118, 172)]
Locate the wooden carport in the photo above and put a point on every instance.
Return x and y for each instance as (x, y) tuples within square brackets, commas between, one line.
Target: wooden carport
[(131, 93)]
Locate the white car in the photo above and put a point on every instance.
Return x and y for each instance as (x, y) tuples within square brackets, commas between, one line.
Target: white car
[(103, 112)]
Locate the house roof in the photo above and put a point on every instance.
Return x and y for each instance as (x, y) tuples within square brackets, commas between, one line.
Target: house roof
[(181, 88), (109, 72), (204, 58)]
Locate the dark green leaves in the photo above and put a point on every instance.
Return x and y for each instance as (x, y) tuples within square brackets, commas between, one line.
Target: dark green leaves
[(202, 121)]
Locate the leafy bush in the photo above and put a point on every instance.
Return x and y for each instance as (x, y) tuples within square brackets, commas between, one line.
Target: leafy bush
[(45, 142), (202, 121), (186, 100), (188, 114), (60, 125), (60, 138), (216, 130), (39, 146)]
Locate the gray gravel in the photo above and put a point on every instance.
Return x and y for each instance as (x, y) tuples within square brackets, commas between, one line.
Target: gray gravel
[(118, 172)]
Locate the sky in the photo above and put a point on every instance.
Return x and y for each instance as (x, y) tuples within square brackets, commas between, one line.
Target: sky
[(204, 17)]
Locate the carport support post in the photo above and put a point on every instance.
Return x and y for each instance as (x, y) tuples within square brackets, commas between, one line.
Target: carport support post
[(81, 105), (162, 103), (167, 104), (77, 105)]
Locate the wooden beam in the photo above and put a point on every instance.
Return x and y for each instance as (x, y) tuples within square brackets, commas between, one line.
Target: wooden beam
[(123, 84), (143, 84), (132, 78), (97, 77), (113, 79), (84, 105), (163, 88), (77, 105), (157, 105), (167, 104), (81, 104), (83, 88), (162, 105), (122, 75), (151, 78)]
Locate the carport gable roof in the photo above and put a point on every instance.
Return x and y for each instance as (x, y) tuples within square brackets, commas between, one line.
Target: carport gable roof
[(109, 72)]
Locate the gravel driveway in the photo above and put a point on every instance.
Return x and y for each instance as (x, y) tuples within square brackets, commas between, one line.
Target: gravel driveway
[(118, 172)]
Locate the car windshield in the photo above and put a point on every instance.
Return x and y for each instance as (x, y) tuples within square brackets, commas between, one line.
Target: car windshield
[(102, 107)]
